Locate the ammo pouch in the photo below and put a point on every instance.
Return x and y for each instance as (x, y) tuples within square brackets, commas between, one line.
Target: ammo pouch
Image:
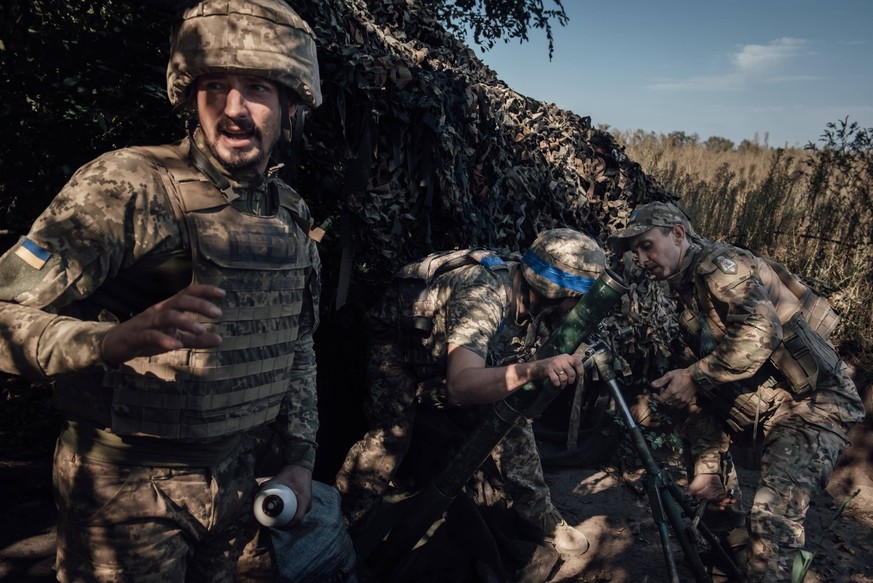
[(819, 313), (802, 356), (739, 408)]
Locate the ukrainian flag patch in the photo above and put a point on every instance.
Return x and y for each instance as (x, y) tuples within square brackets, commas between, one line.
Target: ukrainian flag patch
[(33, 254)]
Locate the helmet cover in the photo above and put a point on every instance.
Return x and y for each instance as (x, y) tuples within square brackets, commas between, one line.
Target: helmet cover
[(265, 38), (562, 263)]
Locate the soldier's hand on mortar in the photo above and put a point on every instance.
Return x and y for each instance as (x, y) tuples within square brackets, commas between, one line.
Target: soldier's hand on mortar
[(676, 388), (562, 370), (167, 325), (709, 487)]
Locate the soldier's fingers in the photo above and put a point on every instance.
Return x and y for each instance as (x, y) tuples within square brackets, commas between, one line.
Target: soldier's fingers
[(556, 378), (665, 397), (200, 340), (660, 382), (203, 290), (578, 367), (193, 304)]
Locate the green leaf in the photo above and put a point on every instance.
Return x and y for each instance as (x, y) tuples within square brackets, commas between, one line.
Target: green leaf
[(802, 562)]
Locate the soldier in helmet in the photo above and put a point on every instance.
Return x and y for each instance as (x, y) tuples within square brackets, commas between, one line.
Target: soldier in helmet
[(172, 292), (758, 367), (459, 341)]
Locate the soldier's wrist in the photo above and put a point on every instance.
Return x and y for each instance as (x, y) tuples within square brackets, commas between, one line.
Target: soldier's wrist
[(300, 454), (701, 379)]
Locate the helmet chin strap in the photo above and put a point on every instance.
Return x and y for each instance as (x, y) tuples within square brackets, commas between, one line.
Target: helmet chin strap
[(519, 305), (202, 163), (290, 138)]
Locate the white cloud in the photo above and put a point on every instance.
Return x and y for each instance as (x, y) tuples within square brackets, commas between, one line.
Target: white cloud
[(759, 60), (751, 64)]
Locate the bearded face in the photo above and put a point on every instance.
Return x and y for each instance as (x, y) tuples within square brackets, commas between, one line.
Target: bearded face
[(240, 117)]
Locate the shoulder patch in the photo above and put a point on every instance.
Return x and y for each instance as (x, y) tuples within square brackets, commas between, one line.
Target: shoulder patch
[(726, 264), (33, 254)]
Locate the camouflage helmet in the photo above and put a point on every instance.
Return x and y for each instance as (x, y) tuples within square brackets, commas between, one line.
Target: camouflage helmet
[(562, 263), (253, 37)]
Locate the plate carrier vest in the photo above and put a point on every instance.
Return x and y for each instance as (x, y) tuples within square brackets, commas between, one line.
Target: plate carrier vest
[(263, 264)]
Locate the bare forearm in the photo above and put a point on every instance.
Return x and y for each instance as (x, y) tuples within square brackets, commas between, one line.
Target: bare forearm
[(487, 385), (469, 381)]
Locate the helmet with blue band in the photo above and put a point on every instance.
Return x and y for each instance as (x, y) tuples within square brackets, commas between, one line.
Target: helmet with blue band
[(562, 263), (559, 277)]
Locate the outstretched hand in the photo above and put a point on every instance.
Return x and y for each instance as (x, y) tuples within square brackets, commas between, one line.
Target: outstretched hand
[(165, 326)]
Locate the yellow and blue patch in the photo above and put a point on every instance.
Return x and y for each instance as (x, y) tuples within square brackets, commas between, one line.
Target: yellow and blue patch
[(33, 254)]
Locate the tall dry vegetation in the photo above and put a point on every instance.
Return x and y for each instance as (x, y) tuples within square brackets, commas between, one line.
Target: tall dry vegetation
[(810, 209)]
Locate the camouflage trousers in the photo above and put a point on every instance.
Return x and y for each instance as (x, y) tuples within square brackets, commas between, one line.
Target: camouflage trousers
[(141, 524), (799, 452), (802, 441), (123, 523), (391, 408)]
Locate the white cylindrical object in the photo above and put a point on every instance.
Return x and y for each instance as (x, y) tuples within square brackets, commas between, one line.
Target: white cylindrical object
[(275, 504)]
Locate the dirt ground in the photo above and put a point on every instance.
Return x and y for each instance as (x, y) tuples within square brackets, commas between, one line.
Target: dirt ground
[(611, 508), (609, 505)]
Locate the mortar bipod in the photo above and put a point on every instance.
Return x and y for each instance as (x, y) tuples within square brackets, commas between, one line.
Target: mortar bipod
[(670, 508)]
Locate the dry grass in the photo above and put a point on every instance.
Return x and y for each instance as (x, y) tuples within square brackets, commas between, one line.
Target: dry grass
[(810, 209)]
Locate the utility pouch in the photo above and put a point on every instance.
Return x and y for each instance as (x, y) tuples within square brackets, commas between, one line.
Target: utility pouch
[(740, 409), (417, 321), (418, 326), (822, 317), (689, 324), (747, 410), (803, 356), (697, 331)]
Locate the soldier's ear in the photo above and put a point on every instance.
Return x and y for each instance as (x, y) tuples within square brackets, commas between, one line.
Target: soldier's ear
[(679, 233)]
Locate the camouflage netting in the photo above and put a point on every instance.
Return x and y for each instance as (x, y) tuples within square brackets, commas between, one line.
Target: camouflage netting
[(420, 147)]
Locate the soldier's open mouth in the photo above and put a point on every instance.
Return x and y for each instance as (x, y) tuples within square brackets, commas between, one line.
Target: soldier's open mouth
[(238, 138)]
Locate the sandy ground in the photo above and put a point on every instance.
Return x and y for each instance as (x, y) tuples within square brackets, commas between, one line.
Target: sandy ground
[(608, 505)]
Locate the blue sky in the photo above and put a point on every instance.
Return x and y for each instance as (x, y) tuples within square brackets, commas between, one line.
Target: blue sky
[(781, 69)]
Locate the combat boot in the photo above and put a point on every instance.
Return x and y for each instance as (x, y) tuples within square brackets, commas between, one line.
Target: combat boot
[(568, 541)]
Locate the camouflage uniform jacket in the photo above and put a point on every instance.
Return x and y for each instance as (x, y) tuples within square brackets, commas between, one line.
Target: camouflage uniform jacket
[(736, 312), (742, 306), (469, 306), (108, 246)]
